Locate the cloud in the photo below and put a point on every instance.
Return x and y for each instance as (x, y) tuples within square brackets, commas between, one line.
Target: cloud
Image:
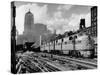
[(57, 22), (64, 7), (67, 24), (40, 15), (74, 20), (57, 14), (88, 20)]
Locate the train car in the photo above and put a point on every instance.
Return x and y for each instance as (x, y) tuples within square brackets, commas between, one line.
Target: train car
[(81, 47), (51, 46), (67, 45), (58, 44), (46, 47)]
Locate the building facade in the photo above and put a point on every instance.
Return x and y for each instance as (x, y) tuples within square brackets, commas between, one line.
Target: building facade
[(92, 30), (29, 21), (94, 21)]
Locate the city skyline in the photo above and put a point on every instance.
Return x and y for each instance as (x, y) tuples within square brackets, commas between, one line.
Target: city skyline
[(62, 17), (49, 37)]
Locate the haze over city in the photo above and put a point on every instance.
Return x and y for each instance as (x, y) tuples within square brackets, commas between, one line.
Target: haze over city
[(59, 17), (49, 37)]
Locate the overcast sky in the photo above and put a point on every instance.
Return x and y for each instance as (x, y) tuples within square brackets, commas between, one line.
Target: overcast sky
[(62, 17)]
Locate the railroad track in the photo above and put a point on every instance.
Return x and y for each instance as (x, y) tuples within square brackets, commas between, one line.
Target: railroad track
[(85, 64), (81, 63), (47, 65), (42, 64), (28, 66), (51, 68), (35, 65)]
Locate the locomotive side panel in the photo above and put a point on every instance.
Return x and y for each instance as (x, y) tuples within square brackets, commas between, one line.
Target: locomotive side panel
[(58, 45), (67, 45), (82, 43)]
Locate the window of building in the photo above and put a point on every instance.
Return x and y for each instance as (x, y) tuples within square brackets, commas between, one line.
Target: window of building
[(95, 14), (95, 11), (92, 13)]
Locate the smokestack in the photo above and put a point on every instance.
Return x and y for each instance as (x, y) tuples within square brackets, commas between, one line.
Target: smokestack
[(40, 40), (82, 24)]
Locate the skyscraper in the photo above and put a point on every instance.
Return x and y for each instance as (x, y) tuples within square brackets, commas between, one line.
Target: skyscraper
[(29, 21), (32, 31), (94, 21)]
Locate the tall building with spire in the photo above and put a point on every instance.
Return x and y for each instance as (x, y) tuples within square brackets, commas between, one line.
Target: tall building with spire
[(29, 22), (32, 31)]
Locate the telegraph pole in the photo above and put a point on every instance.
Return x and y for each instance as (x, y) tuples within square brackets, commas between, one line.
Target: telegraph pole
[(54, 38), (61, 45), (13, 39), (40, 41), (73, 38), (49, 46), (74, 43)]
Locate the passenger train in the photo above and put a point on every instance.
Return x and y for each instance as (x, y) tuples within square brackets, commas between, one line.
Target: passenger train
[(75, 45)]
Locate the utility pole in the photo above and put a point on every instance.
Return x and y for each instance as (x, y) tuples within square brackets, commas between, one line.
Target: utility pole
[(62, 45), (40, 42), (92, 48), (54, 38), (13, 39), (74, 43), (54, 44), (73, 38), (49, 45)]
